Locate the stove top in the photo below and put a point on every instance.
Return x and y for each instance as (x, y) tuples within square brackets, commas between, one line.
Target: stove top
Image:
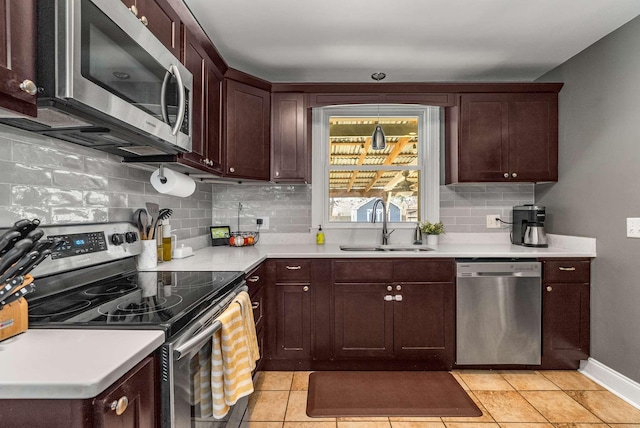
[(163, 300)]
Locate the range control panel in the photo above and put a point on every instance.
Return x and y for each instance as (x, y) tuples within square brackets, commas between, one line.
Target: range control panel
[(79, 243)]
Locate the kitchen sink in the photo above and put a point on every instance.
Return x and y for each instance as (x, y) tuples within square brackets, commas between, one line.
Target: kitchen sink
[(385, 248)]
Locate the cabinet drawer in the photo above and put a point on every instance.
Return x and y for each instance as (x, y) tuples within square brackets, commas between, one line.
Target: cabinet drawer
[(257, 304), (567, 271), (423, 271), (293, 270), (363, 270), (256, 279)]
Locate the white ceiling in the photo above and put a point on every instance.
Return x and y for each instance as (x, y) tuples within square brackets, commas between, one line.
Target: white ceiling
[(409, 40)]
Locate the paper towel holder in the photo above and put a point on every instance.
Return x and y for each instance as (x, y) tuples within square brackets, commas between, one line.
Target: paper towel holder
[(161, 176)]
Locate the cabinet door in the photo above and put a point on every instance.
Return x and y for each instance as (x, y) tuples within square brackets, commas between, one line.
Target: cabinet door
[(483, 146), (247, 111), (17, 55), (289, 155), (533, 137), (363, 320), (293, 328), (565, 323), (194, 61), (138, 388), (162, 21), (423, 321)]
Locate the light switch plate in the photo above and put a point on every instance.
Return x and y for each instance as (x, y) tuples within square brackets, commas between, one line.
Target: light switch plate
[(633, 227)]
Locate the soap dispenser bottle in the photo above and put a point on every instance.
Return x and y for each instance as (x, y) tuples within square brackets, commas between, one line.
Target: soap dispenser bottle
[(320, 236)]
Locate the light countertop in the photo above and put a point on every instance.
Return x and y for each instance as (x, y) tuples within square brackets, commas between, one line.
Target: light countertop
[(70, 364)]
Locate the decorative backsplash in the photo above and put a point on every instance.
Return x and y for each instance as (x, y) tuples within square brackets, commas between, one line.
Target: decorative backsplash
[(58, 182), (463, 208)]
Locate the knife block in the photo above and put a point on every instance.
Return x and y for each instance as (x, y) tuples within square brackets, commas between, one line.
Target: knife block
[(14, 318)]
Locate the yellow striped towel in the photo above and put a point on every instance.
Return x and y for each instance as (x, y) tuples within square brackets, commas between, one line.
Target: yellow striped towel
[(250, 327), (230, 362)]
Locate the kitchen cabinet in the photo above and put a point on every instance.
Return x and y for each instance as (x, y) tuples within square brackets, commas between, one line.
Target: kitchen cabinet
[(206, 102), (17, 56), (160, 19), (503, 137), (291, 294), (256, 280), (290, 153), (565, 312), (133, 396), (400, 309), (247, 112)]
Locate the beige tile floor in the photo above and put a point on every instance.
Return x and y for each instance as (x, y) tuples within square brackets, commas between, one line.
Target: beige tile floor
[(508, 399)]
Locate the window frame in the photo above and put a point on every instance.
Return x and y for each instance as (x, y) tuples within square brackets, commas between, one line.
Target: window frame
[(429, 140)]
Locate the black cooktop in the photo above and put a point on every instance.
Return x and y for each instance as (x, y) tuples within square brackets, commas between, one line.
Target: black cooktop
[(162, 300)]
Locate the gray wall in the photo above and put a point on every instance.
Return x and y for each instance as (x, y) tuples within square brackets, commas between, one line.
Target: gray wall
[(59, 182), (463, 208), (599, 185)]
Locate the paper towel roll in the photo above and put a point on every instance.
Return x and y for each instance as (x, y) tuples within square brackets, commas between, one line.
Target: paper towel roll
[(176, 184)]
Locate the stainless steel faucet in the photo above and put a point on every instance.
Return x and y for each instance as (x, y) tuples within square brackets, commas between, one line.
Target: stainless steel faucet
[(385, 232)]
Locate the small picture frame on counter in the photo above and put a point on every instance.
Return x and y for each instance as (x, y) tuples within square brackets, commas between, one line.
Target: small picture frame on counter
[(220, 235)]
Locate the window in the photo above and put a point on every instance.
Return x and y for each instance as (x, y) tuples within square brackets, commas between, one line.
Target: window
[(348, 175)]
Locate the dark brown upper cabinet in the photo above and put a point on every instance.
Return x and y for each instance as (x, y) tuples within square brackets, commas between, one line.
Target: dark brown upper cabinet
[(502, 137), (160, 19), (247, 131), (289, 148), (205, 117), (17, 56)]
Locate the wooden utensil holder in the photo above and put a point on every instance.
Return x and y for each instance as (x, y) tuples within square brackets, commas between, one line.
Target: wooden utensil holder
[(14, 318)]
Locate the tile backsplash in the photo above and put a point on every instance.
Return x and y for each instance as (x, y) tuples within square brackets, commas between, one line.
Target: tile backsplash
[(59, 182), (463, 208)]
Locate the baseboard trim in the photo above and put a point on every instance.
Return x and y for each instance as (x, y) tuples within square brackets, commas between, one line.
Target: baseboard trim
[(618, 384)]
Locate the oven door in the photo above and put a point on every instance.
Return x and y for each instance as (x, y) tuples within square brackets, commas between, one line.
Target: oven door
[(184, 369), (115, 65)]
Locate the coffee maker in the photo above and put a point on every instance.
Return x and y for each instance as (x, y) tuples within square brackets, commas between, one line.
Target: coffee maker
[(528, 226)]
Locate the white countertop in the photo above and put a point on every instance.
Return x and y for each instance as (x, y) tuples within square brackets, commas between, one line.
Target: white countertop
[(70, 364), (225, 258)]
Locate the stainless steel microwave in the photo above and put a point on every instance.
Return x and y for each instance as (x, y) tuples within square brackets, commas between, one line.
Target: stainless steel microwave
[(106, 82)]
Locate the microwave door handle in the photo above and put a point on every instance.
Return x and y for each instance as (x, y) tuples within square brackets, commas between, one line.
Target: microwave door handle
[(163, 98), (181, 100)]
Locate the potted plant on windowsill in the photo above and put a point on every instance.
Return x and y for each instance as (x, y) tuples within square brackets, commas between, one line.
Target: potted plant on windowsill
[(431, 231)]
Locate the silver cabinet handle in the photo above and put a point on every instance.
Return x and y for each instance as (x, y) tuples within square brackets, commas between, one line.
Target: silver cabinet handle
[(144, 21), (29, 87), (388, 298), (549, 288), (389, 288), (506, 175), (294, 267), (398, 298), (305, 288), (232, 169), (255, 305), (398, 287), (134, 9), (514, 175), (567, 269), (120, 405), (254, 278)]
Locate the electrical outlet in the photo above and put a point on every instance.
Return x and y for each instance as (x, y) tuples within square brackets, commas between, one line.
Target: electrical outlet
[(263, 222), (633, 227), (492, 221)]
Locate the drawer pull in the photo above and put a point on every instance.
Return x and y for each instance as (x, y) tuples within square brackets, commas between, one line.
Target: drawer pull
[(294, 267), (567, 269), (549, 288), (389, 288), (305, 288), (255, 278), (119, 406), (255, 305)]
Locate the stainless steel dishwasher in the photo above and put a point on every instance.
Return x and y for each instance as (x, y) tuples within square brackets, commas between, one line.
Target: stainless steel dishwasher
[(498, 312)]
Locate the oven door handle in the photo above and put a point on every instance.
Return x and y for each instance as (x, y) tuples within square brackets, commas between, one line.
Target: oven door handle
[(206, 334), (196, 340)]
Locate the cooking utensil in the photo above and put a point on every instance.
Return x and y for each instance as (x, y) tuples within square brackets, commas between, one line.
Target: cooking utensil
[(15, 253), (35, 235), (27, 280), (9, 286), (31, 227), (142, 221), (8, 239), (153, 210), (18, 294), (19, 266), (43, 255)]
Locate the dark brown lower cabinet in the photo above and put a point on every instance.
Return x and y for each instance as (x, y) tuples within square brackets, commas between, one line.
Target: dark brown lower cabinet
[(138, 386), (293, 327)]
